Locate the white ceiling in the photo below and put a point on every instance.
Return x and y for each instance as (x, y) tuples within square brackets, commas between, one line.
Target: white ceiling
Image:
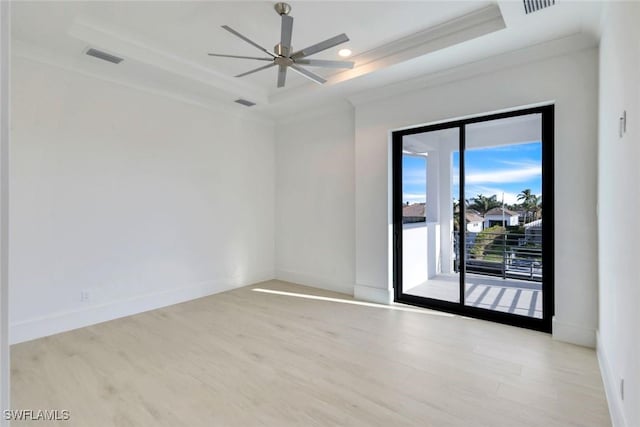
[(165, 44)]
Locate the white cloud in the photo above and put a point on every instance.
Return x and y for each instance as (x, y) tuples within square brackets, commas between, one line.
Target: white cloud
[(509, 198), (505, 176), (414, 176), (520, 164)]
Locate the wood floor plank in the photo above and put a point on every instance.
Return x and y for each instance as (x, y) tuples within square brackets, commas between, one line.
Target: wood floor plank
[(280, 354)]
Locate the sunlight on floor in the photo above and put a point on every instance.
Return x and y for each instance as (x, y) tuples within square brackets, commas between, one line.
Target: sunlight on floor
[(396, 307)]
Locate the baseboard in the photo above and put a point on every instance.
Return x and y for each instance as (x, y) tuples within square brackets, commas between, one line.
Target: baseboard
[(573, 334), (73, 319), (371, 294), (315, 281), (611, 386)]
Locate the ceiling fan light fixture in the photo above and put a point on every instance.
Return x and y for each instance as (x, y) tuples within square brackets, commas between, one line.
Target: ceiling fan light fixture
[(345, 53)]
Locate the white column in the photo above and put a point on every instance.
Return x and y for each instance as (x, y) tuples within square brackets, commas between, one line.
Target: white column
[(4, 151), (433, 213), (433, 200), (446, 210)]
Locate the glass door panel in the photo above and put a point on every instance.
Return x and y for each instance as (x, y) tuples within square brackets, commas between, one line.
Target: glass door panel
[(503, 210), (430, 262)]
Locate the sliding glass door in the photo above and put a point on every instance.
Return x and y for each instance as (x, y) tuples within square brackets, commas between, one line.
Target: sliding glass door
[(468, 217), (428, 243)]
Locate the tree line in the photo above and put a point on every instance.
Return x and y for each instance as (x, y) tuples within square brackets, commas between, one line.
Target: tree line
[(530, 203)]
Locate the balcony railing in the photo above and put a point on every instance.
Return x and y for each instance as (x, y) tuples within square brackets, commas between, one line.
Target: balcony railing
[(506, 254)]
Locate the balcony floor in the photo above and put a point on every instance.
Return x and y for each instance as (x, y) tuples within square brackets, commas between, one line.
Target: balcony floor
[(508, 295)]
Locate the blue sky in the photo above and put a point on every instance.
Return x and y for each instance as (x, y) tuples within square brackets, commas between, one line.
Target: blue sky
[(496, 170)]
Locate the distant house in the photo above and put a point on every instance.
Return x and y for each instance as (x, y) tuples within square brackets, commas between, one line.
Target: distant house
[(413, 213), (474, 221), (523, 215), (496, 216), (533, 232)]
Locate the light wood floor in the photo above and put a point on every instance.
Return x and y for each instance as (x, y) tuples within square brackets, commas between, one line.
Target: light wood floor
[(251, 358)]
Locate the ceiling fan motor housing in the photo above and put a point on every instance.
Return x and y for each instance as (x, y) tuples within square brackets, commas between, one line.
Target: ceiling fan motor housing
[(282, 50)]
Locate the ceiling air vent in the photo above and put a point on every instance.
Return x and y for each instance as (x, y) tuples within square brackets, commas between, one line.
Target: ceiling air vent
[(103, 55), (531, 6), (245, 102)]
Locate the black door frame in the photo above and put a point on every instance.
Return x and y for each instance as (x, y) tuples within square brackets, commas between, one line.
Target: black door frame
[(548, 273)]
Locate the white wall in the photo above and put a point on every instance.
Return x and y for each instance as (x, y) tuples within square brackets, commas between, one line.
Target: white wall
[(510, 220), (415, 262), (139, 200), (619, 205), (474, 227), (315, 199), (571, 81), (4, 207)]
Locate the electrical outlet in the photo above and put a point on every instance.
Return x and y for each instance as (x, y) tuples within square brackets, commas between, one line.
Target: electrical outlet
[(622, 389), (85, 296)]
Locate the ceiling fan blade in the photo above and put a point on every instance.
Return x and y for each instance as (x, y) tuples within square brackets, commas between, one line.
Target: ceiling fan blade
[(319, 47), (240, 57), (308, 74), (251, 42), (325, 63), (257, 69), (286, 31), (282, 75)]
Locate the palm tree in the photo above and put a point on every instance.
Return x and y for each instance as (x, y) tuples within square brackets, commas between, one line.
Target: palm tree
[(456, 215), (529, 202), (537, 206), (483, 204), (525, 196)]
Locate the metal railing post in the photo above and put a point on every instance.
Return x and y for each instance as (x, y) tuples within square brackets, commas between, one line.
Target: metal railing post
[(504, 264)]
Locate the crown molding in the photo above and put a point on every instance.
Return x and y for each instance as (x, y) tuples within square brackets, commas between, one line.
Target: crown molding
[(455, 31), (30, 52), (570, 43), (458, 30), (135, 49)]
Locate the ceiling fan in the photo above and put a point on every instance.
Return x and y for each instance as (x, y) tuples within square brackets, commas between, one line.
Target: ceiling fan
[(282, 54)]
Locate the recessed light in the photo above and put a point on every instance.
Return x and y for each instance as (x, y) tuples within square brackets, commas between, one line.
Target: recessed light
[(344, 52)]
